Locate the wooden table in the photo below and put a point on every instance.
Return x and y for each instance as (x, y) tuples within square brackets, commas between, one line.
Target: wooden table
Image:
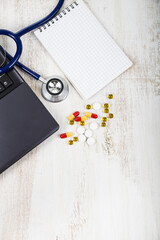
[(110, 191)]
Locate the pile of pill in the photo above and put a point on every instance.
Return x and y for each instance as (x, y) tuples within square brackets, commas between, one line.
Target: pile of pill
[(86, 133)]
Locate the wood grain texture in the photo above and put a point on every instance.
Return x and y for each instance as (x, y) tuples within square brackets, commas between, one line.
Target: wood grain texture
[(109, 191)]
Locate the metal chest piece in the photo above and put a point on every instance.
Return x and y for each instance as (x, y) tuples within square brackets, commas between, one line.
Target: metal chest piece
[(56, 89)]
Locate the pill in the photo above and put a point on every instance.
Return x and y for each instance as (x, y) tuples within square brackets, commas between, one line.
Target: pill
[(71, 122), (82, 123), (79, 119), (75, 139), (88, 106), (110, 115), (103, 124), (66, 135), (88, 133), (104, 119), (93, 126), (91, 141), (106, 110), (110, 96), (91, 115), (70, 142), (96, 106), (106, 105), (71, 117), (80, 130), (82, 138)]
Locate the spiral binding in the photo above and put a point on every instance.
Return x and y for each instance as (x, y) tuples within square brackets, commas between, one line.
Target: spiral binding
[(60, 15)]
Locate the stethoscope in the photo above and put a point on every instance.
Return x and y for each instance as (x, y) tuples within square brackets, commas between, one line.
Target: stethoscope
[(55, 88)]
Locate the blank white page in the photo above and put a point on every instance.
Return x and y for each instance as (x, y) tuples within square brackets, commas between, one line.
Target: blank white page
[(83, 50)]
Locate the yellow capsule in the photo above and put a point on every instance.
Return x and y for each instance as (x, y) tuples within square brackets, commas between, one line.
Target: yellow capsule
[(71, 117), (106, 110), (84, 118), (74, 115), (75, 139), (104, 119), (111, 115), (91, 115), (82, 123), (69, 134), (88, 106), (70, 142), (66, 135), (103, 124), (106, 105), (79, 119), (110, 96), (71, 122)]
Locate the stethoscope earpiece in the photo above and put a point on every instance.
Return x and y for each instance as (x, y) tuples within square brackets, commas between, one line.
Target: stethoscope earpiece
[(55, 89)]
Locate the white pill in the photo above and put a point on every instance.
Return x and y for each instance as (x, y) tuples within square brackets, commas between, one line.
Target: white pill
[(96, 106), (88, 133), (80, 130), (91, 141), (93, 126), (82, 138)]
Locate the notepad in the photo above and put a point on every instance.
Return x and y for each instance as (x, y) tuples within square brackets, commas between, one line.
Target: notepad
[(83, 50)]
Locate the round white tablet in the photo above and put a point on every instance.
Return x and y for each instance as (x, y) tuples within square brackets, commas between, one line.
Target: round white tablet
[(80, 130), (91, 141), (82, 138), (88, 133), (93, 125), (96, 106)]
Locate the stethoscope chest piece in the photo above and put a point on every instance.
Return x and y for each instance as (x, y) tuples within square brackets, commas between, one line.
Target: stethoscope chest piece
[(56, 89)]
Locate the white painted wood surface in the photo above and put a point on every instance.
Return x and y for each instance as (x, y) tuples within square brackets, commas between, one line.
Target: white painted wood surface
[(109, 191)]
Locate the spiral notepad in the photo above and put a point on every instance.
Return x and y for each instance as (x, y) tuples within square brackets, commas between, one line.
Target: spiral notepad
[(82, 48)]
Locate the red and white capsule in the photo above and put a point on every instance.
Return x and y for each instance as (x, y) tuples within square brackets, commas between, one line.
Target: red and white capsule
[(66, 135), (74, 115), (91, 115)]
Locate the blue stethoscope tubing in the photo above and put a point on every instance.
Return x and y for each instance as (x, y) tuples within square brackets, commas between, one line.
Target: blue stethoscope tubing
[(16, 37)]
